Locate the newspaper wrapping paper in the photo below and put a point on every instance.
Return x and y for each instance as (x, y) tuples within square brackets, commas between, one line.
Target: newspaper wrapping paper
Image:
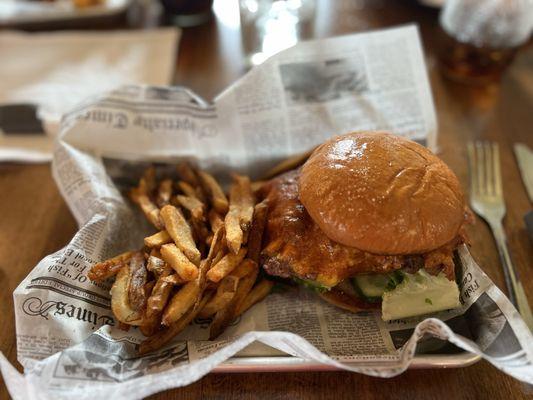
[(67, 338)]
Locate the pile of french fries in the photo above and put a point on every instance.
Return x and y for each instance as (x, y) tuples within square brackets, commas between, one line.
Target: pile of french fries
[(202, 261)]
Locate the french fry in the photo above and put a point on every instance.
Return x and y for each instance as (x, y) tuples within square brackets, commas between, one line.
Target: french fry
[(180, 231), (218, 256), (149, 209), (215, 220), (155, 252), (174, 279), (244, 268), (243, 196), (234, 233), (180, 303), (193, 205), (227, 264), (159, 297), (258, 293), (165, 285), (187, 189), (164, 193), (156, 301), (225, 292), (101, 271), (200, 231), (215, 192), (239, 216), (179, 262), (216, 246), (187, 173), (164, 336), (288, 164), (137, 280), (158, 266), (226, 315), (255, 237), (157, 239), (147, 183), (120, 302)]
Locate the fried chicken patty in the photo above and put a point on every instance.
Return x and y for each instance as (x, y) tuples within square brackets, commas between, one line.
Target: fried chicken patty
[(296, 247)]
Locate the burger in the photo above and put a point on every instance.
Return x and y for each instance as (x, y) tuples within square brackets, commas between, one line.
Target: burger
[(371, 220)]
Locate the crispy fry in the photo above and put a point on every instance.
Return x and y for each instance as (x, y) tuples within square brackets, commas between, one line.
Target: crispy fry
[(216, 246), (164, 193), (288, 164), (234, 233), (215, 192), (200, 231), (157, 239), (226, 315), (239, 216), (243, 269), (157, 301), (149, 209), (147, 183), (150, 326), (255, 237), (159, 297), (164, 336), (258, 293), (243, 196), (227, 264), (174, 279), (187, 189), (225, 292), (148, 287), (136, 282), (187, 173), (158, 266), (120, 302), (180, 303), (218, 256), (193, 205), (180, 231), (108, 268), (215, 220), (177, 260)]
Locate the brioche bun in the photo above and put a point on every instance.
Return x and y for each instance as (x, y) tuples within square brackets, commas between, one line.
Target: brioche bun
[(382, 194)]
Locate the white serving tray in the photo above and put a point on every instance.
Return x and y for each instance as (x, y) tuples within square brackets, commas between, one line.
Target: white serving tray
[(294, 364)]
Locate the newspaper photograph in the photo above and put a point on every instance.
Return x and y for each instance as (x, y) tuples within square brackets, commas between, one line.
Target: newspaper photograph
[(68, 339)]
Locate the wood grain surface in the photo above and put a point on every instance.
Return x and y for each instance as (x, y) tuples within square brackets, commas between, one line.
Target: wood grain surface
[(35, 221)]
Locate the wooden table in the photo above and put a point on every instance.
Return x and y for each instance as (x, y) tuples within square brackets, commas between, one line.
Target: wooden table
[(35, 220)]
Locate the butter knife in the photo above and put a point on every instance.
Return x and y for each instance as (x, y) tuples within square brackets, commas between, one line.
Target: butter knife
[(524, 156)]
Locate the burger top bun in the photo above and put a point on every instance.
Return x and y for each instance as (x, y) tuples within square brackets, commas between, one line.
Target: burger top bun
[(382, 194)]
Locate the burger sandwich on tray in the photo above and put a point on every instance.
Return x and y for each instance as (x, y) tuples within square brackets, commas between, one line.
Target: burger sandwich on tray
[(370, 221)]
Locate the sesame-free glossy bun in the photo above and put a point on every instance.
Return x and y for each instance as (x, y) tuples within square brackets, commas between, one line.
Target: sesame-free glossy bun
[(382, 194)]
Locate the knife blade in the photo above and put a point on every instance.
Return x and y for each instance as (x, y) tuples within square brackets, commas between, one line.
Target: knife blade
[(524, 157)]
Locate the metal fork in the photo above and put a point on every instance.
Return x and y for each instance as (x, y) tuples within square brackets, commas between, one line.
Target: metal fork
[(486, 199)]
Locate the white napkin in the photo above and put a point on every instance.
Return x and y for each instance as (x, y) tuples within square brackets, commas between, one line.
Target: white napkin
[(56, 71)]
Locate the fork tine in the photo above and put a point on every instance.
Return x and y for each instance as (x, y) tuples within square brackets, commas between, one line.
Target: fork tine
[(497, 169), (471, 164), (480, 167), (489, 168)]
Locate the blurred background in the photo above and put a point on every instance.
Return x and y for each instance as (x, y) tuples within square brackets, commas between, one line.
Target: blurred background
[(473, 40)]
